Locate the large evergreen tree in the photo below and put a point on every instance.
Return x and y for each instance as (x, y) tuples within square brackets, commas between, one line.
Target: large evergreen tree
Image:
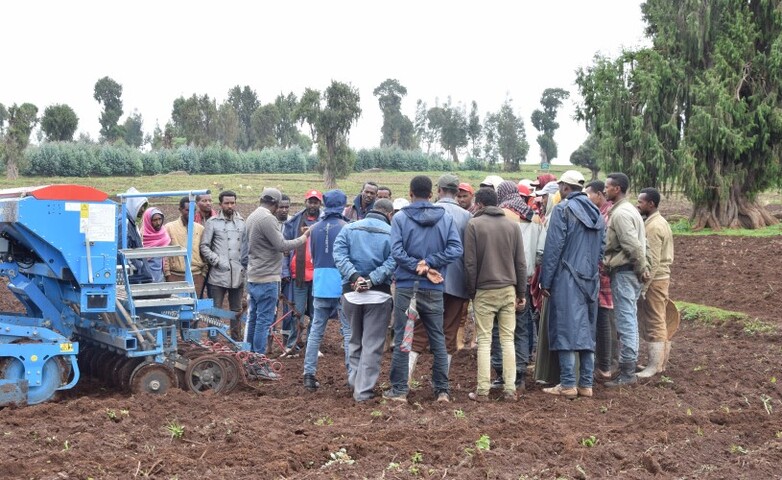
[(333, 124), (108, 93), (701, 108)]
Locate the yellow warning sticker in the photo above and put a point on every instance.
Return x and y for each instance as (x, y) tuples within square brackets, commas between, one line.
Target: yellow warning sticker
[(66, 347), (85, 211)]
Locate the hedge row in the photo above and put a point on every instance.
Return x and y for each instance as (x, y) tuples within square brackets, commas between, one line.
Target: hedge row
[(85, 160)]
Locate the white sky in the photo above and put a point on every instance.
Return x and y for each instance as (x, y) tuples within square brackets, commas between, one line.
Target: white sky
[(160, 50)]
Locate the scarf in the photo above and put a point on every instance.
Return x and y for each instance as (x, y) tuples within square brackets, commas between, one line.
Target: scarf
[(150, 236), (509, 198)]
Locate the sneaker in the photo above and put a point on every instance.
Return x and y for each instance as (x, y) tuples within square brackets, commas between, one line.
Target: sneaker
[(443, 397), (390, 394), (584, 391), (569, 393), (292, 352), (498, 384), (510, 396), (478, 398), (310, 382)]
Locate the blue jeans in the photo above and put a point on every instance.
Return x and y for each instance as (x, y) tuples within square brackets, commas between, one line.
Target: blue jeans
[(325, 308), (263, 305), (430, 310), (567, 368), (626, 289), (522, 337)]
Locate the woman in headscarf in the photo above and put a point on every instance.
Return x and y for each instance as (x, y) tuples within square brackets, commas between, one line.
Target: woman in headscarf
[(510, 200), (154, 235)]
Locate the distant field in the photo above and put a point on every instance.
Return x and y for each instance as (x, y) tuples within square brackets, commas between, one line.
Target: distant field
[(249, 185)]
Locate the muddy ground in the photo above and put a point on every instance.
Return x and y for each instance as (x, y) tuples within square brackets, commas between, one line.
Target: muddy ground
[(716, 413)]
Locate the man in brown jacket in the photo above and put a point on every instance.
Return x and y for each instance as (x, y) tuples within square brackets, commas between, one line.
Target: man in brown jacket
[(655, 325), (496, 280)]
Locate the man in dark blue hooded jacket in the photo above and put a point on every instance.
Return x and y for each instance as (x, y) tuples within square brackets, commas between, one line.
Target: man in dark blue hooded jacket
[(424, 240), (570, 280), (326, 284)]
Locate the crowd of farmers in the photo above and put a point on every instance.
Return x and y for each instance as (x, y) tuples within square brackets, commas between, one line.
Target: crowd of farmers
[(551, 278)]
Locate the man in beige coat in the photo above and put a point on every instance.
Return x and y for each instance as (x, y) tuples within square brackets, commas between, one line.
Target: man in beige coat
[(655, 324)]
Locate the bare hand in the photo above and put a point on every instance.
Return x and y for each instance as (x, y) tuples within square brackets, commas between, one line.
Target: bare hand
[(434, 276), (646, 276), (305, 231), (520, 303), (421, 268)]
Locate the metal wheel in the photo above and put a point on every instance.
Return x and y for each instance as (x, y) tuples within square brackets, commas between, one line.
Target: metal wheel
[(152, 378), (232, 372), (111, 371), (85, 355), (99, 357), (51, 378), (205, 374), (125, 371)]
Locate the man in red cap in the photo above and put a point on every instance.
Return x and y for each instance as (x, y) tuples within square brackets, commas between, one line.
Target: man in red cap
[(301, 266), (465, 197)]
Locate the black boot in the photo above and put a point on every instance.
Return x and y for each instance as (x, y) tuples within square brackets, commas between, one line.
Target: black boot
[(626, 376), (310, 383), (520, 385), (498, 383)]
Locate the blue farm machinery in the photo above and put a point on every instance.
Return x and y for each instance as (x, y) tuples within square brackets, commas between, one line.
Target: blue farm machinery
[(64, 255)]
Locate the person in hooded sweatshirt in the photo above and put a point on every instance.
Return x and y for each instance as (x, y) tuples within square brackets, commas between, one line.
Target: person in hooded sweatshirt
[(570, 280), (424, 240), (326, 284), (135, 207)]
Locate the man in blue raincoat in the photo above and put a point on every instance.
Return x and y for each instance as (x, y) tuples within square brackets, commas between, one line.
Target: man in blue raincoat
[(570, 280)]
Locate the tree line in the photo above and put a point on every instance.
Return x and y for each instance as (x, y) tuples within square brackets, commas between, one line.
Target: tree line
[(324, 119)]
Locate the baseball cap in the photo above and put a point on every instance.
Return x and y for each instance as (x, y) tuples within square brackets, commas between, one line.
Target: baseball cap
[(524, 190), (466, 187), (449, 181), (572, 177), (492, 181), (271, 195), (313, 194), (400, 203)]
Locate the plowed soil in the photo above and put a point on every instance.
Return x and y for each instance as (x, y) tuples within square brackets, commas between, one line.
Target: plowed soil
[(715, 413)]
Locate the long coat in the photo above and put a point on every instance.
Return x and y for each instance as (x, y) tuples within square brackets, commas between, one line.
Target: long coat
[(574, 247)]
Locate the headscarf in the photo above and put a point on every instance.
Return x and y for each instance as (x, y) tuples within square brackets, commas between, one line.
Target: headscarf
[(150, 236), (134, 204), (545, 179), (509, 198)]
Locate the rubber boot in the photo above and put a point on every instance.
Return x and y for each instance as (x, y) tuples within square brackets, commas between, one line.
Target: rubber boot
[(626, 376), (411, 368), (656, 357), (666, 354)]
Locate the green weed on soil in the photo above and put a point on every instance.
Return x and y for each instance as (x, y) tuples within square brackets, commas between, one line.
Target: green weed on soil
[(712, 316), (684, 227)]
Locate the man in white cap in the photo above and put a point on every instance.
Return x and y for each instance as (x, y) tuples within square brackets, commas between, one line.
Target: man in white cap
[(574, 243), (491, 181), (265, 245)]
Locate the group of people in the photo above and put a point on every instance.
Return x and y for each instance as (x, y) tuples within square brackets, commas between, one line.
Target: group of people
[(570, 269)]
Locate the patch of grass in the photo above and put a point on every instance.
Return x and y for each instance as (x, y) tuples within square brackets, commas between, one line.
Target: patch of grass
[(758, 327), (340, 456), (712, 316), (709, 316), (483, 443), (738, 450), (684, 227), (324, 421), (589, 441), (459, 413), (176, 430), (376, 413)]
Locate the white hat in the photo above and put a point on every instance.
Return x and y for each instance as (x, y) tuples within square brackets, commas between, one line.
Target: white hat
[(526, 182), (492, 181), (400, 203), (572, 177)]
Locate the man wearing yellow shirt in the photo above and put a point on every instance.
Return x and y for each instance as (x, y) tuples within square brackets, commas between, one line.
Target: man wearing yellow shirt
[(174, 267)]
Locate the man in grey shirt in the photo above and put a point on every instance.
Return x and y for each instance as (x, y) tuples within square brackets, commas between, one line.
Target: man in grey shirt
[(265, 246)]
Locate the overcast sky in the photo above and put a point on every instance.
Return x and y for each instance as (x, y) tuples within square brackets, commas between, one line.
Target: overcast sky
[(485, 51)]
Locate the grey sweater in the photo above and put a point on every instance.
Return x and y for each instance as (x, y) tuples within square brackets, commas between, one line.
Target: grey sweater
[(265, 246)]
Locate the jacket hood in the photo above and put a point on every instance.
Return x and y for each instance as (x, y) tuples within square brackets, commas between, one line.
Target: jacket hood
[(424, 213), (134, 204), (585, 211), (334, 201), (492, 210)]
